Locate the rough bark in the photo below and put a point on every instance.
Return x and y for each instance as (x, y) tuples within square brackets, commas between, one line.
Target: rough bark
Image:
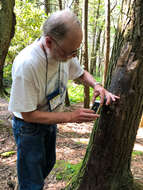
[(107, 162), (7, 29)]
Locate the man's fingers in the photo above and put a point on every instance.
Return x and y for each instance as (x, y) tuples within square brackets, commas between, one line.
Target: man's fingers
[(88, 117), (96, 94), (102, 95), (84, 115), (111, 97)]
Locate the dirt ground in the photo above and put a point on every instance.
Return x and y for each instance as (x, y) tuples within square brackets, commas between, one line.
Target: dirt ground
[(68, 149)]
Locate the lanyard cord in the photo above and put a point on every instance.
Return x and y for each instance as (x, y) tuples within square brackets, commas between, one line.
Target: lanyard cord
[(47, 70), (46, 67)]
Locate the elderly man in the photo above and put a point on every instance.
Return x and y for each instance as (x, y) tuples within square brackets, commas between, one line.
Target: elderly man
[(40, 74)]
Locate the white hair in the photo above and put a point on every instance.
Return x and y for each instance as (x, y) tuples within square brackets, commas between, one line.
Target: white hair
[(60, 23)]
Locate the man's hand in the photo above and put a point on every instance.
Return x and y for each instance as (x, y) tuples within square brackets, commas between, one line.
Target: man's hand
[(102, 92), (82, 115), (87, 79)]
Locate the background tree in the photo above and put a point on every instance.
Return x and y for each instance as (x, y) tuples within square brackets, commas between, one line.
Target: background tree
[(85, 50), (99, 72), (107, 39), (106, 165), (93, 67), (60, 4), (7, 29), (47, 5), (93, 49)]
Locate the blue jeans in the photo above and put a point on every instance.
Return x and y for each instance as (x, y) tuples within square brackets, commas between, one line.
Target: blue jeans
[(36, 153)]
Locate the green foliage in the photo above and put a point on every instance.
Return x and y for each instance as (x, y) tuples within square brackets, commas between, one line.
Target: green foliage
[(137, 153), (76, 91), (65, 171), (7, 74), (29, 20)]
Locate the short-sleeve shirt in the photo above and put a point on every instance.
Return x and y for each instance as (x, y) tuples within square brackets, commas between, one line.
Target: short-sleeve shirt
[(33, 79)]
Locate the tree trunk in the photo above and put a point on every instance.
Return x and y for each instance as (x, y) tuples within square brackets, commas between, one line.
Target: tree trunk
[(96, 51), (47, 5), (93, 52), (107, 162), (7, 29), (85, 51), (60, 4), (67, 100), (100, 63), (107, 39)]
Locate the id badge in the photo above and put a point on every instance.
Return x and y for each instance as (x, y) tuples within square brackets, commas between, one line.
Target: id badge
[(54, 100)]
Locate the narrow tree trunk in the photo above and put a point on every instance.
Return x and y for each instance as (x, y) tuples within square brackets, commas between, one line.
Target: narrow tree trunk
[(97, 46), (93, 52), (67, 101), (60, 4), (7, 28), (85, 55), (107, 40), (47, 6), (100, 64), (107, 163)]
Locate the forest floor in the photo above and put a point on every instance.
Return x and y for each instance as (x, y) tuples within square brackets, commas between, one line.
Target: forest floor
[(72, 140)]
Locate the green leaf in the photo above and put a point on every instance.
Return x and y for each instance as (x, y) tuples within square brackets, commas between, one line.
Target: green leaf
[(7, 154)]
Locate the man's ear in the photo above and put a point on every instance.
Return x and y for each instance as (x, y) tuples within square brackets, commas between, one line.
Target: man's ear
[(48, 42)]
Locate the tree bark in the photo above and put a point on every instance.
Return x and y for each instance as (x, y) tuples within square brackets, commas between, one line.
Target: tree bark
[(7, 29), (85, 51), (107, 39), (101, 53), (107, 162), (60, 4), (47, 5), (96, 51), (93, 52), (67, 100)]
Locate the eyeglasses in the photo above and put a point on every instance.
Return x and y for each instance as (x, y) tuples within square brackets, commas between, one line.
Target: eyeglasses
[(72, 54)]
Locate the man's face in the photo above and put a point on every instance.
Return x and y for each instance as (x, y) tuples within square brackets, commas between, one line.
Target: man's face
[(67, 48)]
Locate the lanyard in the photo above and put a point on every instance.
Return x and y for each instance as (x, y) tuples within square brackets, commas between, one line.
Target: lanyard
[(47, 70)]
